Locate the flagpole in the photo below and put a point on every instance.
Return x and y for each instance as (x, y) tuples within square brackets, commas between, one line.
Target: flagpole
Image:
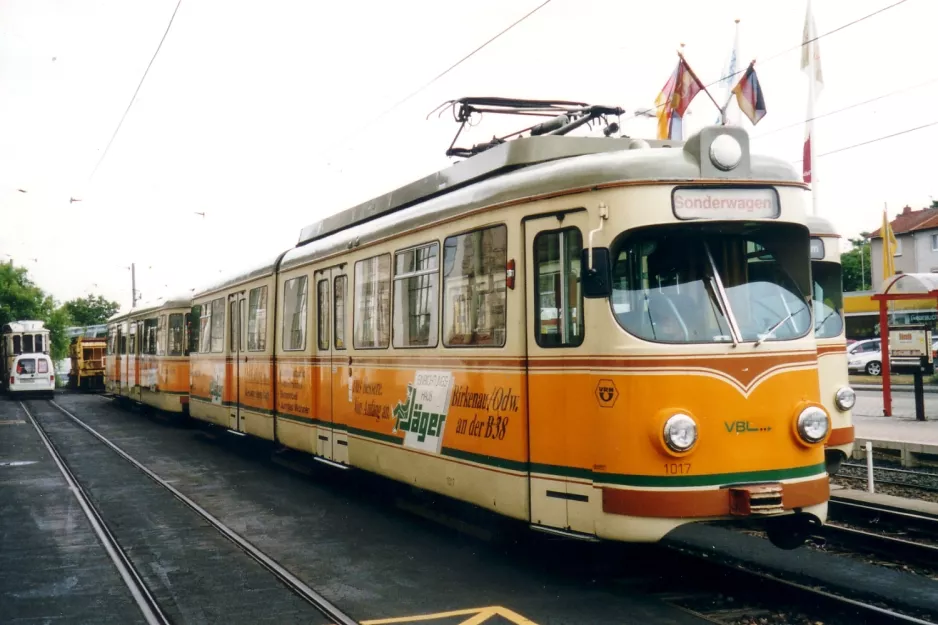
[(811, 142), (810, 61)]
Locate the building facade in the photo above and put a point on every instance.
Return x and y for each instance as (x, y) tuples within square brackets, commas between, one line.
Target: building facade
[(916, 234)]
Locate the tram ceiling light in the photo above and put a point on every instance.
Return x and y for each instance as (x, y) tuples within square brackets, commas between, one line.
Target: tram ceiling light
[(725, 152), (813, 424), (845, 398), (680, 432)]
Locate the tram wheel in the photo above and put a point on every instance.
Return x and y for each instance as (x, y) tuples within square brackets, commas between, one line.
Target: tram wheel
[(790, 532)]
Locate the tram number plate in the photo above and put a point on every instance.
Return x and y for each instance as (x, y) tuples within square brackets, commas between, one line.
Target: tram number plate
[(677, 468), (717, 203)]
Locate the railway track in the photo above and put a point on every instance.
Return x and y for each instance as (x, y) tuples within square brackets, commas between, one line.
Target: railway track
[(926, 481), (142, 593), (760, 594), (898, 536)]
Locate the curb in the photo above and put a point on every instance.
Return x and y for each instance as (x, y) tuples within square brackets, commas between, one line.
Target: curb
[(929, 388)]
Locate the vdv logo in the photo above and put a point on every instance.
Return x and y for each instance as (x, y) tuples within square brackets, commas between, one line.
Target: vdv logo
[(744, 427)]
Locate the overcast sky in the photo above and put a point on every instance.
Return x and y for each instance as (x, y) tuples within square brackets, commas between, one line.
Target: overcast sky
[(261, 115)]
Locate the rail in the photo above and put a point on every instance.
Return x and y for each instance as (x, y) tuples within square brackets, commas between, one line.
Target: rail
[(145, 601), (292, 582)]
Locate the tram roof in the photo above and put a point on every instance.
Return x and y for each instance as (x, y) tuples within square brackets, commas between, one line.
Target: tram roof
[(504, 158), (23, 326), (176, 301), (260, 270), (820, 226), (527, 172)]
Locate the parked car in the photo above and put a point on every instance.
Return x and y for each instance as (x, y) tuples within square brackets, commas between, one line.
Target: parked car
[(865, 357), (32, 373)]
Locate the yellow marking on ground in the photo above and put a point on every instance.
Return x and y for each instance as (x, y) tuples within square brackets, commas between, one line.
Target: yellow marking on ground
[(11, 421), (477, 616)]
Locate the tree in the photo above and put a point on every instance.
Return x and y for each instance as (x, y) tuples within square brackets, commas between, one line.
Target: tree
[(91, 310), (856, 265), (21, 299)]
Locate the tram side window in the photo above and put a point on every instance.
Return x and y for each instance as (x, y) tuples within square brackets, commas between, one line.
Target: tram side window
[(204, 336), (416, 282), (186, 334), (372, 317), (161, 335), (27, 343), (123, 343), (339, 286), (17, 345), (257, 319), (559, 321), (234, 334), (176, 331), (322, 303), (193, 322), (149, 337), (294, 314), (218, 325), (474, 288), (39, 343), (132, 342)]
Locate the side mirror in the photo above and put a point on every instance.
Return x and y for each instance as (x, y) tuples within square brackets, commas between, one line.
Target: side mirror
[(596, 278)]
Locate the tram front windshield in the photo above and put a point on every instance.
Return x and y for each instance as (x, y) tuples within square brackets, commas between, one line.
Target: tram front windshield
[(828, 299), (689, 283)]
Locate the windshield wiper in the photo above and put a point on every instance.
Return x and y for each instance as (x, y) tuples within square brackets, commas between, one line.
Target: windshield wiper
[(771, 331), (818, 326)]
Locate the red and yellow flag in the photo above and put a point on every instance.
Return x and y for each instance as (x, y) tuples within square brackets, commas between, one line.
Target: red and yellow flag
[(675, 97)]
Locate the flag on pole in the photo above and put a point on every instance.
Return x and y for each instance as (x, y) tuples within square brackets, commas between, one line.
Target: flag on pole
[(674, 99), (749, 95), (729, 75), (810, 64), (889, 248)]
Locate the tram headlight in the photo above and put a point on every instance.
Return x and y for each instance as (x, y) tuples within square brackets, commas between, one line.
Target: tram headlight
[(725, 152), (680, 432), (845, 398), (813, 424)]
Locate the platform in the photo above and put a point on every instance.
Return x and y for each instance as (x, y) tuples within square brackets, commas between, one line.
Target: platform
[(52, 567), (915, 506)]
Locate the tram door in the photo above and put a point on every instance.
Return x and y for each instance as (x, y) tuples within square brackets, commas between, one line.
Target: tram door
[(559, 457), (118, 358), (331, 291), (236, 322)]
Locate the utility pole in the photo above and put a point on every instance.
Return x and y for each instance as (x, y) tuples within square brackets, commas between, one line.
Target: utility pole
[(133, 286)]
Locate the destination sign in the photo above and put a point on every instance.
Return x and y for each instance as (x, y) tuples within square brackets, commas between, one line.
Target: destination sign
[(725, 203), (817, 249)]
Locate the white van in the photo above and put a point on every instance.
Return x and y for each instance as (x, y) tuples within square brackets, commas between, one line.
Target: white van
[(32, 373)]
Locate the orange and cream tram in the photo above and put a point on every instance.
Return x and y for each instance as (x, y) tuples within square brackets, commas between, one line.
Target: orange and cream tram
[(602, 337), (836, 395), (147, 355)]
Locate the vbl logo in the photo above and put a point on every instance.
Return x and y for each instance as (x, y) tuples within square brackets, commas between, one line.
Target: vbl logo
[(607, 393), (742, 427)]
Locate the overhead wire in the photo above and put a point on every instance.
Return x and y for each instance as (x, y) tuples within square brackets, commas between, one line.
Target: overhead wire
[(876, 140), (136, 91), (848, 107), (441, 74)]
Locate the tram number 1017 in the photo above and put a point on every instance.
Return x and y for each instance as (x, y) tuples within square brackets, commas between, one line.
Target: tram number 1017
[(677, 468)]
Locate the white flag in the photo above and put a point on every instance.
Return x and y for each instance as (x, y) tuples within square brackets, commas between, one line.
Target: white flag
[(810, 52)]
